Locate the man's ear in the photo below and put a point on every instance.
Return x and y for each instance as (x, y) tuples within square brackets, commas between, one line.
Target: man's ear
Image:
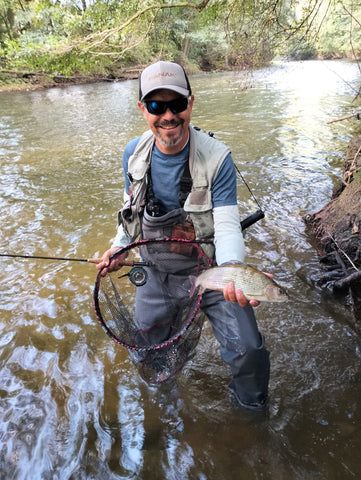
[(191, 102), (142, 108)]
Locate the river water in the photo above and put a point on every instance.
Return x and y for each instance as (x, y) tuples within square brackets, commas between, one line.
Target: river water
[(72, 406)]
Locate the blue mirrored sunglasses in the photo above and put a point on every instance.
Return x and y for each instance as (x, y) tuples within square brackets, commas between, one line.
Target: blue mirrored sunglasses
[(156, 107)]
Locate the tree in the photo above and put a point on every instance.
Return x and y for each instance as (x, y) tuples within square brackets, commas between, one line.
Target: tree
[(99, 36), (6, 19)]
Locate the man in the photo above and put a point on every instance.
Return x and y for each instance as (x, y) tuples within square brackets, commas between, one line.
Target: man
[(178, 175)]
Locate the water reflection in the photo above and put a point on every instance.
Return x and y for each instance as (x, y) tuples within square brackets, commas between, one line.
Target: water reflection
[(71, 403)]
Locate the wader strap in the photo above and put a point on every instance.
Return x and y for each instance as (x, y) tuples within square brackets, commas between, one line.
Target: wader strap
[(185, 185)]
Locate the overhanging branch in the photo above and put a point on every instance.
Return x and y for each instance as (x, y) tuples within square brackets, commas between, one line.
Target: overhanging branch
[(98, 38)]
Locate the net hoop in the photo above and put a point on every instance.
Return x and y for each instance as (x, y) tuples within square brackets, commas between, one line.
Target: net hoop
[(195, 306)]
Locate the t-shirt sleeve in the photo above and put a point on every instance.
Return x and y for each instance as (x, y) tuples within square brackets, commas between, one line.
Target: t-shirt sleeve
[(224, 189)]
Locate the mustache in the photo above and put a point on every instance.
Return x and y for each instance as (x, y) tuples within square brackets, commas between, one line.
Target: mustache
[(169, 123)]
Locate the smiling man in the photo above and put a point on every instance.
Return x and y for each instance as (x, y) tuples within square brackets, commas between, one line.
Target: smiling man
[(178, 178), (166, 103)]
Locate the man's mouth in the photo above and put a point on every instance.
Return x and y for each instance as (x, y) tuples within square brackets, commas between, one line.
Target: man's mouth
[(168, 125)]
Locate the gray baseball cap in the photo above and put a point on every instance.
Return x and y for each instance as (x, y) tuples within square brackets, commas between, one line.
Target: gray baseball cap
[(168, 75)]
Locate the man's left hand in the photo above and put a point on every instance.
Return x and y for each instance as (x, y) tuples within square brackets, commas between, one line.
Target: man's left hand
[(237, 296)]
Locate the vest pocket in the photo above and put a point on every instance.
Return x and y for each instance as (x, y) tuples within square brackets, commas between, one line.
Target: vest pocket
[(198, 201), (169, 257), (199, 206), (161, 227), (130, 219)]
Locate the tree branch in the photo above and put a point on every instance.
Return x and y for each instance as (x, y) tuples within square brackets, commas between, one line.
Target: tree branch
[(356, 115), (100, 37)]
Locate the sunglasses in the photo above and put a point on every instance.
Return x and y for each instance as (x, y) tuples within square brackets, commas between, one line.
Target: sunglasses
[(156, 107)]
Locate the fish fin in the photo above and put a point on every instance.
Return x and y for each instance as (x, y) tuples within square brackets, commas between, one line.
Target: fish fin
[(192, 279), (194, 287)]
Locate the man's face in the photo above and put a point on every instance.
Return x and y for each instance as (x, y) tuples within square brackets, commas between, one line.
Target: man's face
[(170, 129)]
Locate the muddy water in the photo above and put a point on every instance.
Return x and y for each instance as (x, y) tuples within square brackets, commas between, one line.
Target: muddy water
[(71, 404)]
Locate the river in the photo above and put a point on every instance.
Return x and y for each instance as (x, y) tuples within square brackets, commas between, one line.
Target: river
[(72, 405)]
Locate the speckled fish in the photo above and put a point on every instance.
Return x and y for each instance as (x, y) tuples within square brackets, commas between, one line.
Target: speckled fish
[(253, 283)]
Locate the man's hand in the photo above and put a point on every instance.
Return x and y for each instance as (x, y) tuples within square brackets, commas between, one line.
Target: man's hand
[(110, 265), (237, 296)]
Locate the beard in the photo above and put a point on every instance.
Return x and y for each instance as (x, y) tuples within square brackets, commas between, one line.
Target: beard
[(170, 140)]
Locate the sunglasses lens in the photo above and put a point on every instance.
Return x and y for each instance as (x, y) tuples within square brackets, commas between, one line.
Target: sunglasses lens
[(178, 105), (156, 108), (175, 106)]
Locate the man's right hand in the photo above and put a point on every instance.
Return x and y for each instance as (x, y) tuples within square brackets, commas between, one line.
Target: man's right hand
[(107, 265)]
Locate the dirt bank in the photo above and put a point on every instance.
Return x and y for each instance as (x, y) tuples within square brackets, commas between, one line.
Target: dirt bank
[(337, 231)]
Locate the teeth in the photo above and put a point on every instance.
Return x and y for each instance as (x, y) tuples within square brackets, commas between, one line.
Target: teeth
[(167, 125)]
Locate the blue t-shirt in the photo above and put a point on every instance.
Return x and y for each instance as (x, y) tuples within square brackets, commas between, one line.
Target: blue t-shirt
[(167, 171)]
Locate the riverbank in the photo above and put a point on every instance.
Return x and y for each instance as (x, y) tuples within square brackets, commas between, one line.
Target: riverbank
[(12, 81), (16, 81), (336, 228)]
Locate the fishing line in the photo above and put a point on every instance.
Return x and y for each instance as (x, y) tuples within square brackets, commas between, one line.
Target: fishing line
[(254, 217), (248, 187)]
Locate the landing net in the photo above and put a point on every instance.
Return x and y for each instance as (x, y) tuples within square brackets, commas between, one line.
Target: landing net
[(146, 305)]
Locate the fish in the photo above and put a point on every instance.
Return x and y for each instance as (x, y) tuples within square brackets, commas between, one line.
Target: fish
[(254, 284)]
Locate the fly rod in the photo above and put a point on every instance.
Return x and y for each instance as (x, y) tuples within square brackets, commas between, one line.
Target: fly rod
[(127, 263)]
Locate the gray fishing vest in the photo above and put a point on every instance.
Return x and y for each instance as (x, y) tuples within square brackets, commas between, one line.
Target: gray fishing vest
[(206, 156)]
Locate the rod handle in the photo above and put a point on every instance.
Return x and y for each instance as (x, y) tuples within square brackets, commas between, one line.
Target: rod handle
[(247, 222), (126, 263)]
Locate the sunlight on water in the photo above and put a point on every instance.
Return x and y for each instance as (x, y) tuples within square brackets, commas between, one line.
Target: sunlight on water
[(72, 405)]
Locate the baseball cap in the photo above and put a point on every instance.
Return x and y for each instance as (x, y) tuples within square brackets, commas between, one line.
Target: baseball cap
[(168, 75)]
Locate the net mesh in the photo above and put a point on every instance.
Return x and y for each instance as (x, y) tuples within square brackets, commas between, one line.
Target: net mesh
[(146, 306)]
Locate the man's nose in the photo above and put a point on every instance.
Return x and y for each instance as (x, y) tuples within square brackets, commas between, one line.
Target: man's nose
[(168, 114)]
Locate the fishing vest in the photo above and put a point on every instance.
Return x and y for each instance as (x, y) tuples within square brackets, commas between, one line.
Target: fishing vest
[(206, 156)]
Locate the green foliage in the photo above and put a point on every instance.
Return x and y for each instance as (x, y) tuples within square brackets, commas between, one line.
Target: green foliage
[(7, 17), (300, 48), (98, 36), (36, 58), (340, 35)]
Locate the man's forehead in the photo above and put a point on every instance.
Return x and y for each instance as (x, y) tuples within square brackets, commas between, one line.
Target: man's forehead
[(163, 93)]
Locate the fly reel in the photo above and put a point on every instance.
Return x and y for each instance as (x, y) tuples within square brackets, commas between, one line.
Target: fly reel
[(137, 276)]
